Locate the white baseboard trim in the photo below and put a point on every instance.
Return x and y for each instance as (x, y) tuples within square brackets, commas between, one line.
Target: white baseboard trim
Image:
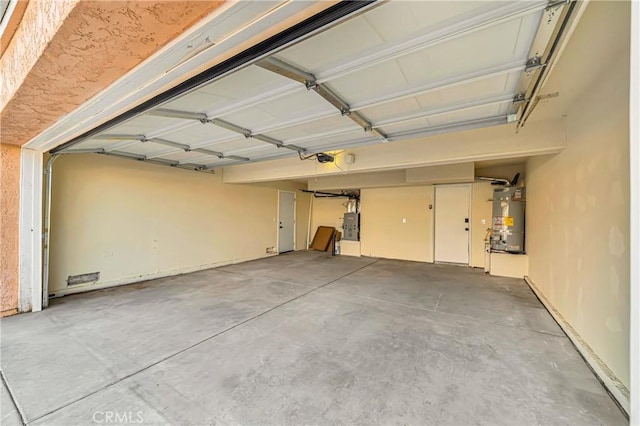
[(615, 387), (82, 288)]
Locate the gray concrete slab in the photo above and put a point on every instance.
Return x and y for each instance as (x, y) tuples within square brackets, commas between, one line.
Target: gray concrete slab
[(452, 289), (83, 343), (382, 343), (9, 415), (313, 268)]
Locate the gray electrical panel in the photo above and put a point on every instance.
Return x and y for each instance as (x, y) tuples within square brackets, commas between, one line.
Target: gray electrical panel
[(507, 231), (351, 227)]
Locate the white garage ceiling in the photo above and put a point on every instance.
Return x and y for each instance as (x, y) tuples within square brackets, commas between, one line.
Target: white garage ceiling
[(400, 70)]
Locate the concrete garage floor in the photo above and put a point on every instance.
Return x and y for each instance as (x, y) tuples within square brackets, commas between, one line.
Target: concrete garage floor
[(301, 338)]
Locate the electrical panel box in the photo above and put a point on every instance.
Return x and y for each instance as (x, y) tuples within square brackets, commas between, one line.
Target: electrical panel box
[(507, 231), (351, 227)]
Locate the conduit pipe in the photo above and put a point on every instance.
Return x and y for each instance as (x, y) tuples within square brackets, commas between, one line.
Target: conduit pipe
[(309, 223), (46, 235)]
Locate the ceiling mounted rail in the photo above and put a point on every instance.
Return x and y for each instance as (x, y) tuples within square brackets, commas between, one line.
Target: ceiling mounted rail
[(423, 132), (194, 166), (287, 70), (144, 139), (225, 125)]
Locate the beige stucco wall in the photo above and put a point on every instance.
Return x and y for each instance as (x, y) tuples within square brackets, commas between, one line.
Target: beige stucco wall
[(383, 232), (578, 219), (9, 203), (303, 213), (132, 221), (328, 212)]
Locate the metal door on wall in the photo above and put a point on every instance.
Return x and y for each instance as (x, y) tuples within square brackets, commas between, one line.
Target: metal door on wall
[(452, 223), (286, 221)]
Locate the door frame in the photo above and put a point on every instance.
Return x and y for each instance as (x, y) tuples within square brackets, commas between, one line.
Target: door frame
[(435, 206), (30, 249), (295, 209)]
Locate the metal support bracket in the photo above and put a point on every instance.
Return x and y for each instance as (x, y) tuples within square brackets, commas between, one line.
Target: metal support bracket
[(185, 148), (534, 64), (519, 98), (285, 69), (172, 113), (292, 72), (229, 126), (187, 115)]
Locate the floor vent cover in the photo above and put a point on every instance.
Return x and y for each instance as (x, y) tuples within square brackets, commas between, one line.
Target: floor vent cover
[(83, 278)]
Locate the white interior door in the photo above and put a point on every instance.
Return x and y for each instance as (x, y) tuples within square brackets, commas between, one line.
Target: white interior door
[(452, 224), (286, 221)]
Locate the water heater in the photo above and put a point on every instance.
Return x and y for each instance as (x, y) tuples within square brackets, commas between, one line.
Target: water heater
[(507, 233)]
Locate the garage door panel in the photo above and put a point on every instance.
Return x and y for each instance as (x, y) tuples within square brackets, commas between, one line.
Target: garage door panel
[(98, 144), (439, 99), (417, 15), (358, 87), (279, 111), (432, 65), (246, 83), (197, 102), (344, 138), (464, 116), (234, 145), (406, 126), (354, 36), (379, 29), (144, 124), (188, 157), (400, 67), (292, 134), (148, 149), (200, 133), (482, 49), (485, 89), (256, 151), (397, 108), (354, 140)]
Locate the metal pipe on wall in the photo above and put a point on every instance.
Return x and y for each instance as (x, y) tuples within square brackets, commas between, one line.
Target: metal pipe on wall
[(309, 223), (46, 235)]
